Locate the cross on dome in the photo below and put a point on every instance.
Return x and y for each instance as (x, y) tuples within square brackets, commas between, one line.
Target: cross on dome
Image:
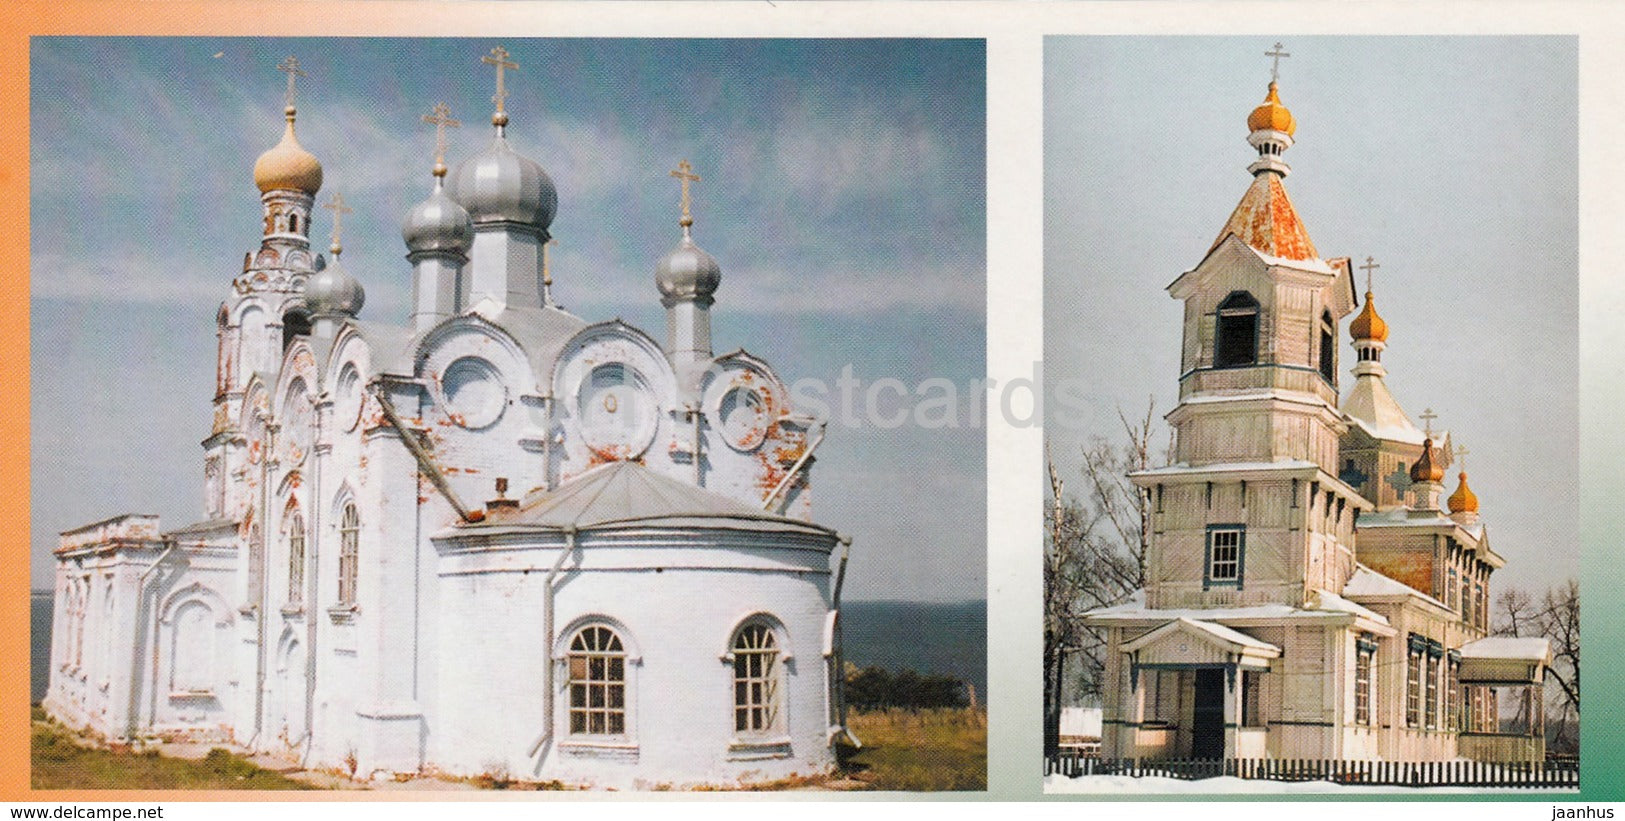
[(1275, 62), (1427, 416), (685, 173), (499, 58), (1369, 266), (290, 66), (440, 118), (1461, 456), (339, 209)]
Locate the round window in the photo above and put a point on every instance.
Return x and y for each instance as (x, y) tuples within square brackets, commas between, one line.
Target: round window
[(617, 411), (742, 415), (474, 393)]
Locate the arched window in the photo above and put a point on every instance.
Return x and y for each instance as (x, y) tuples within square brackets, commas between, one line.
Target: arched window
[(757, 674), (349, 552), (296, 560), (295, 323), (597, 683), (293, 223), (256, 565), (1236, 338), (1328, 348)]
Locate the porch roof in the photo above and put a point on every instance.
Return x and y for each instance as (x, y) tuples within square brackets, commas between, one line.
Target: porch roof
[(1505, 660), (1231, 642)]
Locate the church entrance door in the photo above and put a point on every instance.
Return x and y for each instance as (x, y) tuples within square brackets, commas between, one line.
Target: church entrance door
[(1207, 726)]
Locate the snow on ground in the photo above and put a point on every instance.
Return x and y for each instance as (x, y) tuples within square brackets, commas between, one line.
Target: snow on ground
[(1230, 785)]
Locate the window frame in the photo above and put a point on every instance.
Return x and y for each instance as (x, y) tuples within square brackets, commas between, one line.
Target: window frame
[(1416, 648), (297, 556), (1365, 664), (613, 651), (1209, 579), (1237, 308), (769, 680), (349, 553)]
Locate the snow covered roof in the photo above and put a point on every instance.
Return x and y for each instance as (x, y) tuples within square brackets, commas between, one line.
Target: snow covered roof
[(1323, 606), (628, 494), (1228, 467), (1403, 517), (1224, 635), (1509, 647), (1368, 582)]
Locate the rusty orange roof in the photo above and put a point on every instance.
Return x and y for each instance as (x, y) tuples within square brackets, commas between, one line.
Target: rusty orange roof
[(1267, 222)]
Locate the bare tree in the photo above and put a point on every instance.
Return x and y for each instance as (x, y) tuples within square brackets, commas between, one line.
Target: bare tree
[(1557, 618), (1094, 556)]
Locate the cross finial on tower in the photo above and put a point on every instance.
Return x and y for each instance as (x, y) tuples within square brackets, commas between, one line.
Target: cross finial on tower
[(1461, 456), (440, 118), (1275, 64), (1369, 266), (685, 172), (547, 272), (499, 58), (339, 209), (1427, 416), (290, 67)]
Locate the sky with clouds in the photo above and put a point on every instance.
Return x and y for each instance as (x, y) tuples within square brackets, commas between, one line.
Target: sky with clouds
[(1452, 161), (843, 195)]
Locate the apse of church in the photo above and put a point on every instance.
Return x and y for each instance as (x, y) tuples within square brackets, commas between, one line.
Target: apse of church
[(453, 540)]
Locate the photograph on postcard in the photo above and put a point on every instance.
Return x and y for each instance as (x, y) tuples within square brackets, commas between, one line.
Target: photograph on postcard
[(1269, 563), (587, 413)]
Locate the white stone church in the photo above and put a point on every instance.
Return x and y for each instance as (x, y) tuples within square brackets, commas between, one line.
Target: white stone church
[(494, 537), (1309, 593)]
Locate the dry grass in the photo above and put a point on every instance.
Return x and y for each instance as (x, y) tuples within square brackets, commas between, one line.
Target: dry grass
[(919, 750), (60, 762)]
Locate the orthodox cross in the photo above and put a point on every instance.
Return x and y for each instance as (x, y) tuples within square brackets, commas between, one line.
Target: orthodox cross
[(440, 119), (499, 58), (685, 172), (1461, 456), (1369, 266), (1275, 64), (547, 272), (339, 209), (1427, 416), (290, 67)]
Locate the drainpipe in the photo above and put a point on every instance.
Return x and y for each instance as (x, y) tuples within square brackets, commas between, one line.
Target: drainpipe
[(313, 564), (260, 602), (839, 656), (767, 504), (547, 630), (699, 472), (547, 442), (424, 461)]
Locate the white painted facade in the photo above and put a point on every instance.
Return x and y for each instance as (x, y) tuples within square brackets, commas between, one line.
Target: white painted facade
[(492, 539)]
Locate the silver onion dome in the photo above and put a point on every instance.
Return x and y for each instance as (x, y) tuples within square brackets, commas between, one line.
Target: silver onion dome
[(438, 224), (688, 272), (333, 291), (502, 185)]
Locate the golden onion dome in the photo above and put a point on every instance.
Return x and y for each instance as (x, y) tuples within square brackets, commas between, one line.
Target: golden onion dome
[(1463, 500), (1368, 325), (1425, 469), (288, 166), (1271, 115)]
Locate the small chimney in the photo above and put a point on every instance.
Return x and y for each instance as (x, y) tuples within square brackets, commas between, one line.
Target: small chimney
[(502, 502)]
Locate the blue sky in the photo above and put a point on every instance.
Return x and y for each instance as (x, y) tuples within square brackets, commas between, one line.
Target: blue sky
[(843, 195), (1452, 161)]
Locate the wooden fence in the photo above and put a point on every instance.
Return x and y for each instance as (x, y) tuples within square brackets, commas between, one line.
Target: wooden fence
[(1516, 774)]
